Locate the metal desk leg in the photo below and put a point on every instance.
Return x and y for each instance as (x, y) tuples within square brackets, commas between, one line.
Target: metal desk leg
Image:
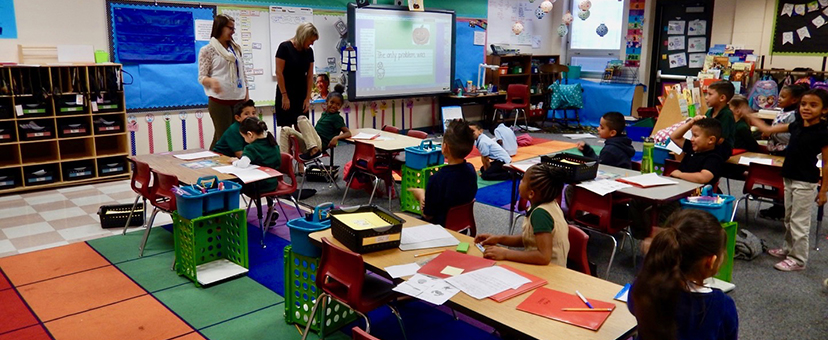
[(513, 202)]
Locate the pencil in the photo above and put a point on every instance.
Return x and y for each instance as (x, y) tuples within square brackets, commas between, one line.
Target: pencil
[(298, 329), (587, 309), (430, 253)]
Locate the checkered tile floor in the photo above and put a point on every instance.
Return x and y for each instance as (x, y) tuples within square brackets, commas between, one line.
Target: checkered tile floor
[(50, 218)]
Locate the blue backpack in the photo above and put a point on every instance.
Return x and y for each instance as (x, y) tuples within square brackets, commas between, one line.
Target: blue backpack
[(763, 95)]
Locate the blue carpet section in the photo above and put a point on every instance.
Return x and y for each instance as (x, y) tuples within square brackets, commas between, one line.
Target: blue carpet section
[(422, 321), (267, 265), (497, 195)]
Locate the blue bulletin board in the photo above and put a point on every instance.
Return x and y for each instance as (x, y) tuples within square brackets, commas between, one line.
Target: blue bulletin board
[(168, 82), (468, 55)]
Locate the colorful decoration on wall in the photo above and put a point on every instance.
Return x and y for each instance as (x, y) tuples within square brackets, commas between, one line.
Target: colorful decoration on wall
[(374, 113), (150, 117), (393, 112), (583, 15), (132, 127), (199, 115), (363, 115), (585, 5), (602, 30), (562, 30), (168, 129), (517, 28), (183, 116), (546, 6), (347, 110), (383, 106), (634, 33), (539, 13), (410, 105), (567, 18)]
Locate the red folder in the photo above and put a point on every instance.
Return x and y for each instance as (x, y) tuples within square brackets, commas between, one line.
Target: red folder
[(549, 303), (452, 258), (535, 282)]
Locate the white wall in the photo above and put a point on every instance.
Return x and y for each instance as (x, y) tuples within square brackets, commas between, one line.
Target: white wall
[(500, 27)]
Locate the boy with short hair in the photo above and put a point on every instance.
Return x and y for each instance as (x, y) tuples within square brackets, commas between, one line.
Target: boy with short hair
[(507, 139), (232, 143), (717, 97), (618, 149), (453, 184), (493, 156)]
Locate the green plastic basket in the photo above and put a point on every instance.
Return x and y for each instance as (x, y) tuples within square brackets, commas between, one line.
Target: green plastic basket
[(726, 270), (210, 238), (414, 178), (301, 293)]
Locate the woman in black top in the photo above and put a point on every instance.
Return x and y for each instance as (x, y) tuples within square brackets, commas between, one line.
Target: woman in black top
[(294, 73)]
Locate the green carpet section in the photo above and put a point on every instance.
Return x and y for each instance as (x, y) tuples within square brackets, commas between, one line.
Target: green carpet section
[(202, 307), (483, 183), (120, 248), (268, 323), (153, 272)]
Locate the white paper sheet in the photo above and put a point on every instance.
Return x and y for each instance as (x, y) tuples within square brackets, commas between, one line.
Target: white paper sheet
[(787, 38), (674, 148), (249, 174), (196, 155), (649, 180), (486, 282), (526, 164), (364, 135), (696, 61), (698, 44), (426, 236), (434, 291), (479, 38), (603, 186), (697, 27), (747, 160), (402, 270), (675, 43), (579, 136), (675, 26), (678, 60), (787, 9)]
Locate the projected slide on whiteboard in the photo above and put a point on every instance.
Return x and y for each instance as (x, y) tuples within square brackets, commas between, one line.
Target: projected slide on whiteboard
[(400, 53)]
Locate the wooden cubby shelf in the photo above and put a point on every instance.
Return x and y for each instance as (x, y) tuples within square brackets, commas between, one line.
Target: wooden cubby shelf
[(48, 131)]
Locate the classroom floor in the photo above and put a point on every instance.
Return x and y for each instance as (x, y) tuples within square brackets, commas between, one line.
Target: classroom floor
[(771, 304)]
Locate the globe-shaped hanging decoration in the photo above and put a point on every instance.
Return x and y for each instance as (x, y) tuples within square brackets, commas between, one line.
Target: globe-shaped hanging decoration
[(517, 28), (539, 13), (562, 30), (583, 15), (585, 5), (602, 30), (546, 6), (567, 18)]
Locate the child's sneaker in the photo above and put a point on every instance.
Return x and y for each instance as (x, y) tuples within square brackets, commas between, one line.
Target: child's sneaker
[(788, 265), (780, 253)]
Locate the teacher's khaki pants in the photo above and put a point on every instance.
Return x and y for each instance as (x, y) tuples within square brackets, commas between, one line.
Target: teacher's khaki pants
[(799, 200), (222, 117), (307, 135)]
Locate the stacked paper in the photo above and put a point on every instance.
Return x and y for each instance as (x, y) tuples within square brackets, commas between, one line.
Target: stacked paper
[(426, 236), (603, 186), (647, 180), (436, 291), (486, 282), (747, 160)]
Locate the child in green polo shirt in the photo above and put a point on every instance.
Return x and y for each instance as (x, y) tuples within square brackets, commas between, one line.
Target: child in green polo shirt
[(261, 150), (330, 128), (231, 143)]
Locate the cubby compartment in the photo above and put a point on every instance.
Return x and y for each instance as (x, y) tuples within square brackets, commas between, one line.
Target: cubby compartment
[(71, 149), (8, 133), (111, 145), (6, 107), (41, 174), (32, 90), (10, 178), (32, 106), (70, 104), (108, 124), (9, 155), (112, 166), (36, 129), (106, 89), (74, 127), (77, 170), (40, 152)]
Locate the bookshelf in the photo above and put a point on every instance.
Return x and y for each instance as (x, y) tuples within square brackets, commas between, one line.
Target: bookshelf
[(61, 126)]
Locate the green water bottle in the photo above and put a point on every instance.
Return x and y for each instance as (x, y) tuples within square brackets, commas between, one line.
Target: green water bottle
[(647, 158)]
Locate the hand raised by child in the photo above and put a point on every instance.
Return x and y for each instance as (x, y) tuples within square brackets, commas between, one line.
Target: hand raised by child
[(821, 198), (486, 239), (581, 146), (495, 253), (697, 118)]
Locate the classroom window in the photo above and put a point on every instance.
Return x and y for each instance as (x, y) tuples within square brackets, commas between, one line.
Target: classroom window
[(582, 32)]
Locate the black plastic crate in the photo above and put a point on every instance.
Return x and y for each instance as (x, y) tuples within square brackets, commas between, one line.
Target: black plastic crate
[(41, 174), (73, 171), (314, 173), (73, 127), (112, 166), (67, 104), (6, 108), (108, 124), (8, 133), (9, 178), (115, 216), (34, 106), (36, 129), (578, 168), (367, 240)]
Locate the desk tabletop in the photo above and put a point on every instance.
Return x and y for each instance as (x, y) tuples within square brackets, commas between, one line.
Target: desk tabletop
[(166, 163), (397, 142), (777, 160), (766, 115), (619, 324)]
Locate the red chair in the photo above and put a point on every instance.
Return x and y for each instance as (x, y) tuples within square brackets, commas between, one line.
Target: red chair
[(392, 129), (283, 189), (577, 258), (517, 99), (140, 183), (359, 334), (365, 161), (522, 207), (670, 165), (461, 219), (341, 275), (417, 134), (773, 189), (593, 212), (162, 199), (294, 141)]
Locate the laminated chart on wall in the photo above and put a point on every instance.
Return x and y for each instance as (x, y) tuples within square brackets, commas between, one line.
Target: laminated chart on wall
[(150, 36), (8, 24), (503, 14), (253, 35), (799, 27), (634, 33), (283, 23)]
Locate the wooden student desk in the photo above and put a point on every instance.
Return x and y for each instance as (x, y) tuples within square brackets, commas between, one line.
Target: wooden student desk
[(505, 316), (397, 142), (777, 160), (166, 163)]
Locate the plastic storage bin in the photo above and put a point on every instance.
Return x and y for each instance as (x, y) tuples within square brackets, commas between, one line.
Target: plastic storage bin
[(425, 155), (366, 240), (723, 211), (578, 168), (196, 203), (211, 248), (115, 216), (726, 270), (301, 227), (301, 293), (640, 129), (660, 154), (413, 178)]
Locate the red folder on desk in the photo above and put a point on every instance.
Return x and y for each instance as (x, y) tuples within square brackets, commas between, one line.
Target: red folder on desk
[(534, 282), (454, 259), (549, 303)]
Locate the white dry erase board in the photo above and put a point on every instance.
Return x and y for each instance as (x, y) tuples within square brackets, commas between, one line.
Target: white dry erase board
[(283, 23), (252, 34), (451, 113)]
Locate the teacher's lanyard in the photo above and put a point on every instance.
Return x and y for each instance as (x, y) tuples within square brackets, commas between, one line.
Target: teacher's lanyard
[(236, 59)]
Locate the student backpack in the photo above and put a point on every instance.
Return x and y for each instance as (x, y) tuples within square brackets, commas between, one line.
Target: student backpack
[(763, 95)]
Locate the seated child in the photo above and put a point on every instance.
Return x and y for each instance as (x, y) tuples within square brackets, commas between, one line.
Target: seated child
[(231, 142), (506, 138), (453, 184), (741, 112), (330, 128), (718, 95), (669, 298), (545, 236), (618, 149), (261, 150), (493, 155)]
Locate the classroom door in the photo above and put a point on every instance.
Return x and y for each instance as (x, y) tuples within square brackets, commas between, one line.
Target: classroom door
[(680, 41)]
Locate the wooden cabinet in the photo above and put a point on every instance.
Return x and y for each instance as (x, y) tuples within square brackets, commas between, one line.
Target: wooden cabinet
[(523, 69), (61, 125)]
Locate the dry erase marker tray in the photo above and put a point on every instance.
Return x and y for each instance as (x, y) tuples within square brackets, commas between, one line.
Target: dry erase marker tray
[(366, 228), (578, 168)]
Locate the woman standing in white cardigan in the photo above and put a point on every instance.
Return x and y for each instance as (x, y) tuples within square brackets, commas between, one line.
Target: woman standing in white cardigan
[(221, 72)]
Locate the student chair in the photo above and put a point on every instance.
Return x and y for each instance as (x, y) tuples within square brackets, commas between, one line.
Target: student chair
[(283, 189), (522, 207), (461, 219), (162, 199), (140, 183), (365, 161), (417, 134), (561, 70), (670, 165), (358, 334), (392, 129), (577, 258), (593, 213), (517, 100), (772, 188), (294, 141), (341, 276)]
